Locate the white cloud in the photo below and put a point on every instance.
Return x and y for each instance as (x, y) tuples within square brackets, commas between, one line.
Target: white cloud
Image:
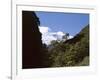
[(60, 33), (44, 30), (48, 35), (70, 37)]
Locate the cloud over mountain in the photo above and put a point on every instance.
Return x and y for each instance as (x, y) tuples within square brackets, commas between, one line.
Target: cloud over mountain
[(48, 35)]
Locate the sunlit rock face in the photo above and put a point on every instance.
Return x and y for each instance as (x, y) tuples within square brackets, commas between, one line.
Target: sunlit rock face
[(31, 41)]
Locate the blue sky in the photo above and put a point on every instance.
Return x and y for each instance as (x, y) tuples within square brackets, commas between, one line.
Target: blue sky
[(70, 23)]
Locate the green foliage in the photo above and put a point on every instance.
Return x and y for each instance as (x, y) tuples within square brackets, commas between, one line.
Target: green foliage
[(73, 53)]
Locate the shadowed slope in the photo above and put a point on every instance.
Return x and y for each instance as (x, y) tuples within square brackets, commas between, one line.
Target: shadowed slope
[(31, 41)]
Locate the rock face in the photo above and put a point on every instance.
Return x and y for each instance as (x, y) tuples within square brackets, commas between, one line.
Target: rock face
[(31, 41)]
